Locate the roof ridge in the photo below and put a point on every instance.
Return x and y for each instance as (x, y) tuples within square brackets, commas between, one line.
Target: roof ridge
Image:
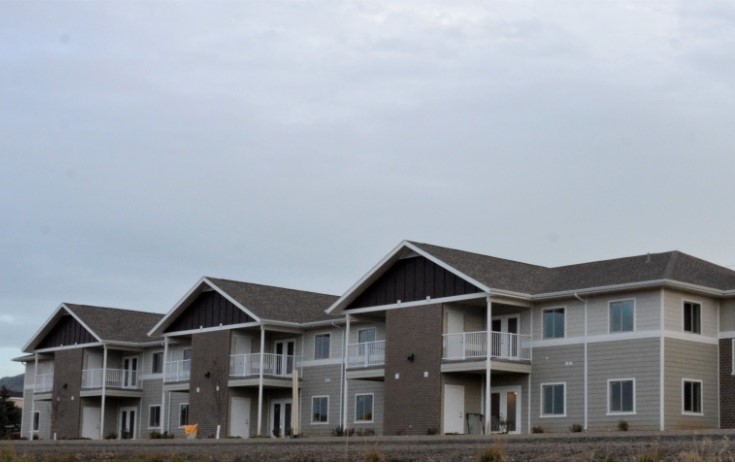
[(107, 308), (275, 287), (419, 244), (719, 266), (610, 259)]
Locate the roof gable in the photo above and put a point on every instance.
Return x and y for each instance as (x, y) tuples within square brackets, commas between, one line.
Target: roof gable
[(209, 309), (67, 331)]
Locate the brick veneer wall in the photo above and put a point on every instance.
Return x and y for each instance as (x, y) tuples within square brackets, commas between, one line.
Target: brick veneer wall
[(209, 407), (727, 385), (65, 404), (413, 401)]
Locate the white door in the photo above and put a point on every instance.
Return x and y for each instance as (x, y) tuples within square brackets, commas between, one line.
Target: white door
[(91, 422), (506, 409), (240, 417), (284, 350), (453, 409), (128, 418), (281, 418), (505, 339), (241, 344), (455, 343), (130, 372)]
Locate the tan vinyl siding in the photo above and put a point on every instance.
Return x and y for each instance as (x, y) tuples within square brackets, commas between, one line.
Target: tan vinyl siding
[(321, 381), (335, 342), (376, 388), (355, 327), (647, 311), (573, 317), (630, 359), (549, 366), (151, 395), (674, 312), (727, 316), (690, 360)]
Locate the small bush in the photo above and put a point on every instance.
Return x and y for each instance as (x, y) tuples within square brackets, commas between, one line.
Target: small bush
[(576, 428), (374, 455), (623, 426), (492, 454), (537, 429)]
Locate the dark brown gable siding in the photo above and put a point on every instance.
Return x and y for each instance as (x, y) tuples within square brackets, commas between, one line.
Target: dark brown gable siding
[(67, 332), (412, 279), (210, 309)]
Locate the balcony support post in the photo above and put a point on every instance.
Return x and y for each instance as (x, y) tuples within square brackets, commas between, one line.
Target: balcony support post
[(488, 365), (344, 368), (33, 395), (164, 415), (260, 379), (104, 391)]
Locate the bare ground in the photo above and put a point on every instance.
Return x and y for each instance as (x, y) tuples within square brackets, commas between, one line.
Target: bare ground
[(621, 446)]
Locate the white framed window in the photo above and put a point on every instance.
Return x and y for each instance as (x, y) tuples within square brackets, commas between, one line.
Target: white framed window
[(183, 415), (692, 317), (622, 316), (554, 323), (691, 394), (154, 416), (366, 335), (322, 346), (553, 399), (320, 409), (364, 407), (36, 421), (621, 396)]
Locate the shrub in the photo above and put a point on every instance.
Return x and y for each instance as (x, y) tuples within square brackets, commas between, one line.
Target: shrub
[(623, 426), (576, 428), (492, 454), (537, 429), (374, 455)]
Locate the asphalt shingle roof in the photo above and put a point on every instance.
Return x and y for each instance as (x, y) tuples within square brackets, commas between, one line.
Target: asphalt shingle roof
[(277, 303), (120, 325), (531, 279)]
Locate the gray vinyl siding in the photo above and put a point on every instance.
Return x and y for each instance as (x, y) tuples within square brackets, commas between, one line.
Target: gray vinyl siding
[(26, 418), (375, 387), (151, 396), (44, 425), (647, 312), (630, 359), (674, 312), (321, 381), (573, 317), (172, 411), (727, 315), (550, 367), (690, 360), (335, 342)]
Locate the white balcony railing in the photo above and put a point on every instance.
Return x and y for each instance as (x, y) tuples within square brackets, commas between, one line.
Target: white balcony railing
[(177, 371), (278, 365), (115, 378), (366, 354), (473, 345), (44, 383)]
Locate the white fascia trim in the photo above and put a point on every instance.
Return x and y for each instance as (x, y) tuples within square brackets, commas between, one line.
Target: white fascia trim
[(619, 336), (325, 323), (295, 325), (631, 286), (212, 329), (43, 329), (68, 347), (408, 304), (689, 337), (321, 362), (112, 343), (727, 334)]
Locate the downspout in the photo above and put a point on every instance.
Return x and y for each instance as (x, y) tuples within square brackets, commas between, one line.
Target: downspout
[(104, 391), (586, 399), (342, 371)]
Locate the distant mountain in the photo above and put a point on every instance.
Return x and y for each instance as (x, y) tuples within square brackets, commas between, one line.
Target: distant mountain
[(14, 384)]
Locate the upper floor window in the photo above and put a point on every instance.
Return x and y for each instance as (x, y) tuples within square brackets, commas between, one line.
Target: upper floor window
[(622, 314), (692, 397), (692, 317), (321, 346), (157, 364), (366, 335), (622, 396), (553, 399), (554, 323)]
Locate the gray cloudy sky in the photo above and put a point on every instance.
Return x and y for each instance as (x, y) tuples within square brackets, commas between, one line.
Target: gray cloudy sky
[(145, 144)]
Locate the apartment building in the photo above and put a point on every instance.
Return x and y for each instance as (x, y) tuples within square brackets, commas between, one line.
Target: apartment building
[(430, 340)]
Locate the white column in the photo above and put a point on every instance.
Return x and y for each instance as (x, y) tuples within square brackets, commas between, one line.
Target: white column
[(33, 394), (488, 366), (260, 380), (104, 390), (344, 368), (164, 411)]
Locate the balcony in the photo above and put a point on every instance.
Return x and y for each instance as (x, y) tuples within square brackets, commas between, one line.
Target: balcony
[(473, 345), (44, 383), (177, 371), (276, 365), (114, 378), (366, 354)]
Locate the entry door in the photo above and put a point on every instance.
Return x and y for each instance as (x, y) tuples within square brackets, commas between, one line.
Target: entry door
[(506, 410), (240, 417), (453, 409), (284, 357), (127, 423), (281, 418), (455, 341), (130, 372), (505, 337), (91, 422)]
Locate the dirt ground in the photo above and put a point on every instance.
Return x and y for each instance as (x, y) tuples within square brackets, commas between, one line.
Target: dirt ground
[(621, 446)]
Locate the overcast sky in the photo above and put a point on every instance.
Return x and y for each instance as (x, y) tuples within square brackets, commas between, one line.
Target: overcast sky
[(144, 145)]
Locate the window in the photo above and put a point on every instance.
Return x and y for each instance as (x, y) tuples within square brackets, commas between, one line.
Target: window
[(692, 317), (552, 399), (554, 323), (36, 421), (622, 316), (183, 414), (692, 397), (154, 416), (321, 346), (319, 409), (157, 365), (364, 408), (366, 335), (621, 395)]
